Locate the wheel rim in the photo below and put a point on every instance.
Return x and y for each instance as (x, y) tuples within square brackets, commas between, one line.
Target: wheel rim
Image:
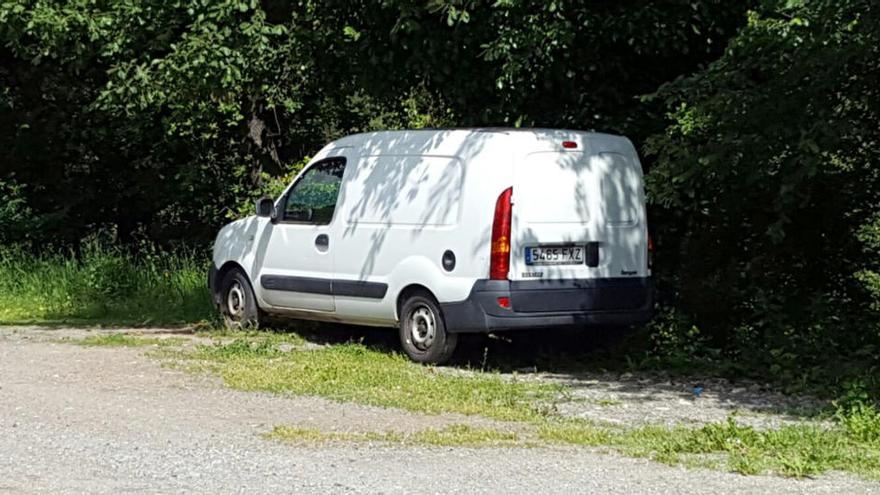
[(423, 327), (235, 301)]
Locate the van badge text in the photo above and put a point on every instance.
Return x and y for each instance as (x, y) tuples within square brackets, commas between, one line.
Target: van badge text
[(533, 274)]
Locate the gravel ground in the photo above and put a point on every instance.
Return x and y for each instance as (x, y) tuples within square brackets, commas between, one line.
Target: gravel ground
[(100, 420), (631, 400)]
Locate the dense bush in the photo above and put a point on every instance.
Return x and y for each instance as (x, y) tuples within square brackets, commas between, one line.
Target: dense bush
[(770, 190), (17, 220), (158, 115)]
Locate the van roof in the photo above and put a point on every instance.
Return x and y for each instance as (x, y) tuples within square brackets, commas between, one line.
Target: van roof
[(538, 131)]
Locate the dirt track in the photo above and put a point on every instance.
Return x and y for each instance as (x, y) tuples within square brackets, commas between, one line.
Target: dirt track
[(101, 420)]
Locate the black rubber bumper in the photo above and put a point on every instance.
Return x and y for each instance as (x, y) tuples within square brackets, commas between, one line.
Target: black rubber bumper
[(556, 303), (212, 281)]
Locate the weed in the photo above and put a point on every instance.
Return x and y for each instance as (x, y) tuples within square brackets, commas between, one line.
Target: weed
[(464, 436), (796, 450), (574, 432), (857, 414), (456, 435), (125, 340), (311, 435), (860, 419)]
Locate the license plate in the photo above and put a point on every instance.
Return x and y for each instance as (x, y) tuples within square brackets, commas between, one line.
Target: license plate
[(555, 255)]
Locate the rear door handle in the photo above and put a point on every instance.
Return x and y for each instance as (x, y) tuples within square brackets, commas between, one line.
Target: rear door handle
[(322, 242)]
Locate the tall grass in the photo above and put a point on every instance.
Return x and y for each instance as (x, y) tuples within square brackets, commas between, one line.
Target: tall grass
[(103, 283)]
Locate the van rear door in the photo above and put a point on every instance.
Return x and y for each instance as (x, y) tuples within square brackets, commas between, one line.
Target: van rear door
[(578, 214)]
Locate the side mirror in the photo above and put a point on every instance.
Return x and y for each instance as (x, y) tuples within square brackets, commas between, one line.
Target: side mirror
[(266, 208)]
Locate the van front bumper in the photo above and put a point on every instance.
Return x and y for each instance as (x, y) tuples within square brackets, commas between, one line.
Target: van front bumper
[(551, 303), (212, 285)]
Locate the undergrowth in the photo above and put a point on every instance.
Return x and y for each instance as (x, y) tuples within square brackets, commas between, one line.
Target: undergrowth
[(102, 283)]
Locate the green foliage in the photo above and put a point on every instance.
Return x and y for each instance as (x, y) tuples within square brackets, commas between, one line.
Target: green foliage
[(799, 450), (269, 186), (767, 191), (455, 435), (165, 116), (857, 414), (103, 284), (105, 272), (16, 218), (125, 340), (861, 422), (868, 234)]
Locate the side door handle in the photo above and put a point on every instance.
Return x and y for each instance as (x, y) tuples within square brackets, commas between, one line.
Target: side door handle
[(322, 242)]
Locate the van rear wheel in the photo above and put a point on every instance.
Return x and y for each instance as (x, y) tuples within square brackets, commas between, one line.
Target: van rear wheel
[(423, 334)]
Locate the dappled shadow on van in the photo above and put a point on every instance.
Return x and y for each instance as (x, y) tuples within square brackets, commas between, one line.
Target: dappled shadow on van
[(425, 192)]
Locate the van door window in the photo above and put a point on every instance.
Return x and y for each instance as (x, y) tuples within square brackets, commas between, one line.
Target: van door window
[(312, 199)]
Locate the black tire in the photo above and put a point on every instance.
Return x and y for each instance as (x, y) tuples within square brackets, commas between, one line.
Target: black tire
[(423, 334), (238, 304)]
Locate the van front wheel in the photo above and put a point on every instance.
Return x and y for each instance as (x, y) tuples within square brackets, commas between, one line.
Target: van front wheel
[(423, 333), (238, 305)]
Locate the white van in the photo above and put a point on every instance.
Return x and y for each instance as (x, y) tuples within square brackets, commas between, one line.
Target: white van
[(440, 232)]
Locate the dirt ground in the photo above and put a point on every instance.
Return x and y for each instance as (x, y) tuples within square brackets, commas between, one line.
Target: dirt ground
[(77, 419)]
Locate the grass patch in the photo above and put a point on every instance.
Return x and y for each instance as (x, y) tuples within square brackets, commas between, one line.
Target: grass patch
[(574, 432), (355, 373), (294, 435), (457, 435), (465, 436), (102, 284), (125, 340), (796, 450)]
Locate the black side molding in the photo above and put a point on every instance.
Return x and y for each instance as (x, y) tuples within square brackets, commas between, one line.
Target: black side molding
[(350, 288), (296, 284), (357, 288)]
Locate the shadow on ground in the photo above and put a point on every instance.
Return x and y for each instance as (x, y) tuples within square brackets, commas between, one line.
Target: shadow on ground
[(597, 383), (545, 350), (600, 383)]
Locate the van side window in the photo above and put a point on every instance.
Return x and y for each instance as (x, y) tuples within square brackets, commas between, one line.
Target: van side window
[(313, 198)]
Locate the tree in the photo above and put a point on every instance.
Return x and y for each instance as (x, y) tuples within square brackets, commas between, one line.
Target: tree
[(768, 177), (160, 115)]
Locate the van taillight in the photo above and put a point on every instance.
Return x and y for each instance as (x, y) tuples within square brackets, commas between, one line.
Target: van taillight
[(499, 262), (650, 251)]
